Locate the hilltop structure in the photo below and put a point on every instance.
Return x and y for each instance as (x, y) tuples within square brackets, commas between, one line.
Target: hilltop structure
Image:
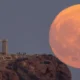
[(4, 46), (31, 67)]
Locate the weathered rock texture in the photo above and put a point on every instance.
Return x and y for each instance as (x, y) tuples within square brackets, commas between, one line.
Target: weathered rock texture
[(36, 67), (8, 75)]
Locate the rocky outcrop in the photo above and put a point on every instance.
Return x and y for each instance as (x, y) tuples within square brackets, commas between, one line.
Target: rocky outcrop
[(8, 75), (42, 67), (36, 67)]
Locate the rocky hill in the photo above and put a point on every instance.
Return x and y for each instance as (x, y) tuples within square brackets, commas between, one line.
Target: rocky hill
[(35, 67)]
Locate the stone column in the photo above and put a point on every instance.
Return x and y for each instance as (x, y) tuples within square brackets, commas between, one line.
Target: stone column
[(4, 47)]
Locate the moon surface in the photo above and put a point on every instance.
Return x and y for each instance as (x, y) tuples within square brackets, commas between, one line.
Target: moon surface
[(64, 36)]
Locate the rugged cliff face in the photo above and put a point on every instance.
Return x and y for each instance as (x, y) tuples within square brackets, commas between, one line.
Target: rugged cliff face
[(8, 75), (36, 67)]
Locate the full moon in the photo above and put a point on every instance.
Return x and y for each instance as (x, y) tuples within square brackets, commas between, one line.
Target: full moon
[(64, 36)]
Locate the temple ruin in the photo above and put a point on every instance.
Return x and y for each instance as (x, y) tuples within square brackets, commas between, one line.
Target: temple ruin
[(4, 46)]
